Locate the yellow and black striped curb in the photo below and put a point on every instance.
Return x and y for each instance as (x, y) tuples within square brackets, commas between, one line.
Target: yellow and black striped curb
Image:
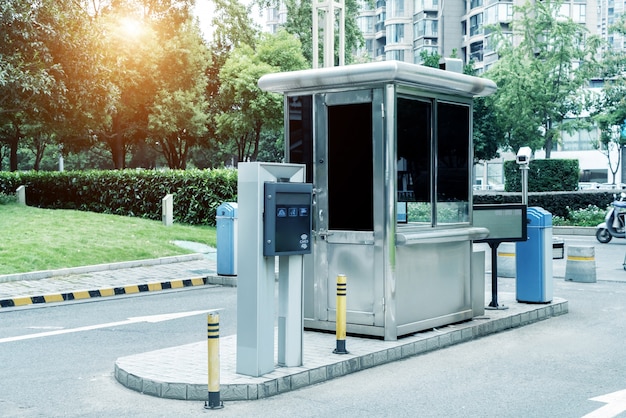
[(112, 291)]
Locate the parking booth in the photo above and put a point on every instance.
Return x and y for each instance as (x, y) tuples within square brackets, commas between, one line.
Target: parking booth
[(226, 225), (534, 282), (388, 148)]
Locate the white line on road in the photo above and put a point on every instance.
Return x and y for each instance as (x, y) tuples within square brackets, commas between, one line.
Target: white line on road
[(134, 320), (615, 405)]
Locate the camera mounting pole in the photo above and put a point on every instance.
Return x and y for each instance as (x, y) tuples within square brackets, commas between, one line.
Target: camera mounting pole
[(523, 159)]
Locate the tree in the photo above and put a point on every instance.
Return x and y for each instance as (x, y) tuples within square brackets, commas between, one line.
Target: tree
[(250, 110), (540, 73), (28, 74), (487, 137), (178, 117), (608, 109), (134, 32)]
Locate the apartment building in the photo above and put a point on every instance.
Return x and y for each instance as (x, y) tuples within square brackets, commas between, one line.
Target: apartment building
[(402, 29)]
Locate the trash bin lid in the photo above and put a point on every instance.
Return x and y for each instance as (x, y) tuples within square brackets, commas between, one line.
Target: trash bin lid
[(227, 210), (539, 217)]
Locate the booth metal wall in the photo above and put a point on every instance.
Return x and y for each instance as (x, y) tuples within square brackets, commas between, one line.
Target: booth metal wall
[(344, 124)]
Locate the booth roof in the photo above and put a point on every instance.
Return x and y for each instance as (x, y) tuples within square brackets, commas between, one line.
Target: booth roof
[(431, 79)]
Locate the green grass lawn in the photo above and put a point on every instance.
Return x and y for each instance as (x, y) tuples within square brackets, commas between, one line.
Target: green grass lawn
[(34, 239)]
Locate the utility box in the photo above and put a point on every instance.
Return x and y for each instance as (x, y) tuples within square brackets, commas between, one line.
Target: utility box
[(534, 259), (226, 221), (287, 219)]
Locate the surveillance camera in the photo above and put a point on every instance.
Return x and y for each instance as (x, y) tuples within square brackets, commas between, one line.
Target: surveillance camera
[(523, 155)]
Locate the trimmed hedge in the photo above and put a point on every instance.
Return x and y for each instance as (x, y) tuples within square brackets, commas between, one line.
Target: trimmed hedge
[(554, 202), (197, 193), (543, 175)]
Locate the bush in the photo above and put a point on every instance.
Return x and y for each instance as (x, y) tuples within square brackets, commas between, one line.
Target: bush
[(5, 199), (197, 193), (589, 216), (557, 203), (543, 176)]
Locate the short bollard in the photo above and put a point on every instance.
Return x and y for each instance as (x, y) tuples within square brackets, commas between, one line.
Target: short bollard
[(213, 345), (581, 264), (342, 288)]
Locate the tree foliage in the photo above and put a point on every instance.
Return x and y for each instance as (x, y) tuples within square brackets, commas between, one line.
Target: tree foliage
[(608, 109), (487, 137), (300, 23), (544, 63), (48, 73), (251, 111), (178, 116)]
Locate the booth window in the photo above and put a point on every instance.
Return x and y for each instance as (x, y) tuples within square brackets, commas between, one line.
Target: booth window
[(301, 132), (419, 184), (453, 179), (414, 158)]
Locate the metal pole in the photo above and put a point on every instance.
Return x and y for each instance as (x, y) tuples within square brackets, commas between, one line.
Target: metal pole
[(524, 169), (342, 288), (213, 346), (494, 305)]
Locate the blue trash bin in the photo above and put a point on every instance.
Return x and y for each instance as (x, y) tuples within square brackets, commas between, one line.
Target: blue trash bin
[(533, 259), (226, 220)]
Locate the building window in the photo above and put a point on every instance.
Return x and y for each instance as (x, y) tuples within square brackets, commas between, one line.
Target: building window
[(395, 8), (396, 55), (395, 34), (580, 140), (426, 27), (499, 13), (579, 14), (366, 24), (475, 3), (421, 5), (476, 23), (476, 51)]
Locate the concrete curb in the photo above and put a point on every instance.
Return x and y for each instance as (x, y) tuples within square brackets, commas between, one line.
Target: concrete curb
[(574, 230), (104, 292), (129, 372), (46, 274)]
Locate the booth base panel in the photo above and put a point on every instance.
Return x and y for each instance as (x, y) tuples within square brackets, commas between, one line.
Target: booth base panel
[(401, 330)]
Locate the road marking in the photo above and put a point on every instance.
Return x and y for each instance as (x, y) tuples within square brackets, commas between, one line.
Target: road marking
[(150, 319), (615, 405)]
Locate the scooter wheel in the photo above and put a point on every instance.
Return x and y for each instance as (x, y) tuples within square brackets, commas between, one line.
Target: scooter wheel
[(603, 235)]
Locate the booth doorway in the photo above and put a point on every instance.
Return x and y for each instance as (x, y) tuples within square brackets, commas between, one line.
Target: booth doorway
[(347, 202)]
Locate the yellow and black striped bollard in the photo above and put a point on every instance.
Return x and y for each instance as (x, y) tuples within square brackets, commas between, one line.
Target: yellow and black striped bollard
[(342, 288), (213, 345)]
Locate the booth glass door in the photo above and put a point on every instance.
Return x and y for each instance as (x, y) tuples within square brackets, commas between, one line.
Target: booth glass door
[(348, 202)]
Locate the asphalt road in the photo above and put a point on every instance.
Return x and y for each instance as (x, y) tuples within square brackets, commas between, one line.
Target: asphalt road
[(71, 374), (553, 368)]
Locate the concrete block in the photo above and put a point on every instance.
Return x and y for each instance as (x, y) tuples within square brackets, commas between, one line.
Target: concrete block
[(20, 193), (199, 392), (168, 210), (153, 388), (232, 392), (174, 390), (300, 380), (335, 370), (317, 375), (580, 265)]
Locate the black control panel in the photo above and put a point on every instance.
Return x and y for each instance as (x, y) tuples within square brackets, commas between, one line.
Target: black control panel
[(287, 219)]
